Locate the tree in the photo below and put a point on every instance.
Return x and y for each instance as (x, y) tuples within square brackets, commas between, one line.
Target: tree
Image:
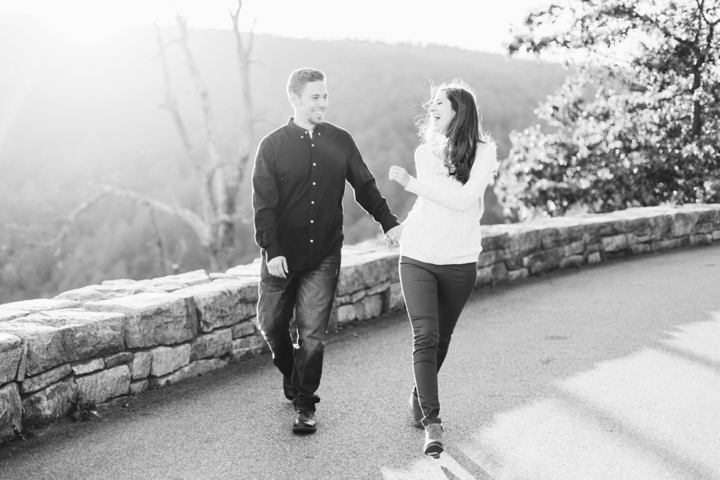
[(220, 178), (636, 125)]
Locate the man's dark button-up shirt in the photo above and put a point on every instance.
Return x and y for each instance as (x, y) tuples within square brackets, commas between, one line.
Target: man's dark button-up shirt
[(298, 187)]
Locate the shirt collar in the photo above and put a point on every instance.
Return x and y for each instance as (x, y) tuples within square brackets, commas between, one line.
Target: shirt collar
[(300, 132)]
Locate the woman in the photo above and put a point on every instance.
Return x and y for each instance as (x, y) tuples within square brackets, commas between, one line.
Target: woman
[(441, 238)]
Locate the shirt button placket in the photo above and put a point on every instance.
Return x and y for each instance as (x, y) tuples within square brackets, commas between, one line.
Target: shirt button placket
[(313, 196)]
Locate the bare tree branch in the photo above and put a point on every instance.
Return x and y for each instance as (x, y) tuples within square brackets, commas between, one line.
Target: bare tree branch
[(188, 216), (223, 184), (208, 205), (247, 117), (58, 241), (208, 120), (162, 257), (171, 105), (252, 39)]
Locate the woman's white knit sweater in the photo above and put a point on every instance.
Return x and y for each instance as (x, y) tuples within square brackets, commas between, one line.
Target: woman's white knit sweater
[(444, 225)]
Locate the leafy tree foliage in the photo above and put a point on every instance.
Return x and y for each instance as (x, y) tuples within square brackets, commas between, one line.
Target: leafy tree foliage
[(638, 122)]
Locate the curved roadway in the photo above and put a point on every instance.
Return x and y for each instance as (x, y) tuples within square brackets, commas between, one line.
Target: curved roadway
[(608, 372)]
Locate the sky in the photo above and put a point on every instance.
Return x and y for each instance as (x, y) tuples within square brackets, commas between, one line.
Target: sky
[(480, 25)]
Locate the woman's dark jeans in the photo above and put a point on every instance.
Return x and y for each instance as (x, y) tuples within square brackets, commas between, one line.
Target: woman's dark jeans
[(435, 296), (308, 295)]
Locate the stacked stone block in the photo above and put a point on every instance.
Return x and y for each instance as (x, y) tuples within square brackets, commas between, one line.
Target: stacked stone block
[(102, 342), (512, 252), (368, 286)]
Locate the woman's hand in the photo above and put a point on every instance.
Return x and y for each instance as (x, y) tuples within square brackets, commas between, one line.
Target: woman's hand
[(392, 237), (399, 175)]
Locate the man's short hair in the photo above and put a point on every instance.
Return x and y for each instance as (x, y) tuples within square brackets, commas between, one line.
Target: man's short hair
[(302, 76)]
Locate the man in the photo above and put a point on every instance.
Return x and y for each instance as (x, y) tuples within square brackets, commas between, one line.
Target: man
[(298, 185)]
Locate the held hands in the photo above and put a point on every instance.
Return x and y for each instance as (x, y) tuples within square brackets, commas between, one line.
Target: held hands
[(392, 237), (399, 175), (277, 267)]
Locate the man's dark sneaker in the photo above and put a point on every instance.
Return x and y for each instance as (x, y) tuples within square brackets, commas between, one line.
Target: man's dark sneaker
[(288, 389), (304, 422)]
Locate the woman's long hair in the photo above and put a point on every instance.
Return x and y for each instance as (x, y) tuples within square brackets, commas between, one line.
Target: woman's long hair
[(463, 134)]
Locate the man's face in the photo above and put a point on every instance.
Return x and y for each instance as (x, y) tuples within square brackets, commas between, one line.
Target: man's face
[(312, 102)]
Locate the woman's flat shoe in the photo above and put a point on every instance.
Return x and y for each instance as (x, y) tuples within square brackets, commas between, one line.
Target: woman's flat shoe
[(434, 445)]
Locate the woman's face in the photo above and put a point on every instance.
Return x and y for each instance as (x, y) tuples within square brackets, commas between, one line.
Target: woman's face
[(441, 111)]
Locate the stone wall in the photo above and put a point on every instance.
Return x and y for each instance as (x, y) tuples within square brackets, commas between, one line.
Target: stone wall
[(103, 342)]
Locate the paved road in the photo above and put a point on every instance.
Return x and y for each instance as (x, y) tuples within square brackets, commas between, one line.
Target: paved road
[(610, 372)]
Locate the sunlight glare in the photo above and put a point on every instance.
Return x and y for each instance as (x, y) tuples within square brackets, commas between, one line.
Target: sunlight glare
[(84, 24)]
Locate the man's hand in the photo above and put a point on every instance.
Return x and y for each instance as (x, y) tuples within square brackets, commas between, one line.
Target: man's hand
[(399, 175), (392, 237), (277, 267)]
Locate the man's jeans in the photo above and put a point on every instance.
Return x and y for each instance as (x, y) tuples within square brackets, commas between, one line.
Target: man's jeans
[(309, 296)]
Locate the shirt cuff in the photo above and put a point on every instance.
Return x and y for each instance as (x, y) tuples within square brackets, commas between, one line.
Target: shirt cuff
[(272, 252), (389, 223), (414, 186)]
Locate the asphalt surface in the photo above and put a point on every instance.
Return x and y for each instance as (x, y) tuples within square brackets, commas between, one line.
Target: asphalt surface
[(608, 372)]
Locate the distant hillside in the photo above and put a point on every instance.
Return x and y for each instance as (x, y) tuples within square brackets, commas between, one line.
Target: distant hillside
[(66, 116)]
